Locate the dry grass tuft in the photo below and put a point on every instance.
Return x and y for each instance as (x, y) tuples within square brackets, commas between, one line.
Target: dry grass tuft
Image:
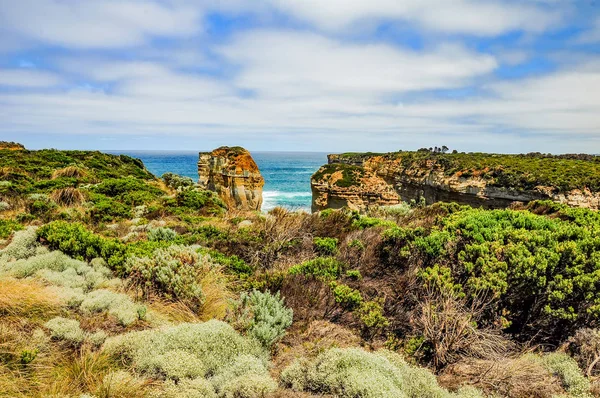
[(508, 377), (173, 311), (27, 298), (449, 324), (69, 171), (68, 196)]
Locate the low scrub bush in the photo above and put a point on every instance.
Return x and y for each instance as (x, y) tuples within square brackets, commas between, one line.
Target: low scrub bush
[(116, 304), (566, 369), (65, 329), (327, 268), (200, 200), (326, 246), (213, 351), (353, 372), (177, 182), (161, 234), (7, 227), (23, 245), (175, 271), (346, 296), (262, 316)]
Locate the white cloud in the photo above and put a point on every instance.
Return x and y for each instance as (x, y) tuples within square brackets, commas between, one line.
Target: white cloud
[(592, 35), (27, 78), (477, 17), (95, 23), (288, 64)]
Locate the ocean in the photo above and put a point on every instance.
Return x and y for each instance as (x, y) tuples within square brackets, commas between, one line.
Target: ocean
[(286, 174)]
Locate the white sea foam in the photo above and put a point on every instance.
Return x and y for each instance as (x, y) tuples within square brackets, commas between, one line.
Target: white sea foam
[(272, 199)]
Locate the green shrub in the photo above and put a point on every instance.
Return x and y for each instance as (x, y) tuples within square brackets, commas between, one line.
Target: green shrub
[(174, 271), (106, 209), (7, 227), (346, 296), (326, 246), (65, 329), (161, 234), (327, 268), (77, 241), (371, 315), (28, 356), (540, 269), (354, 274), (262, 316), (200, 200), (364, 222)]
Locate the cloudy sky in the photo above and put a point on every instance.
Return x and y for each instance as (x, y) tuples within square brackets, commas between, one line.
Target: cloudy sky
[(314, 75)]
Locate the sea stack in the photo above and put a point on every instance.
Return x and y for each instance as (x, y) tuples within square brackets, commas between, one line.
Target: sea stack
[(233, 175)]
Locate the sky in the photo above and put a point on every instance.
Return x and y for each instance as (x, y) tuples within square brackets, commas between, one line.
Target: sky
[(301, 75)]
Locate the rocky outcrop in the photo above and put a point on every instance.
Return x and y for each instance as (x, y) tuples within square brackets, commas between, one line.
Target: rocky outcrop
[(359, 181), (233, 175), (11, 146)]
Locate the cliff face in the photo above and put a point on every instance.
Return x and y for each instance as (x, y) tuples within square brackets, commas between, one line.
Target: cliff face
[(233, 175), (385, 179)]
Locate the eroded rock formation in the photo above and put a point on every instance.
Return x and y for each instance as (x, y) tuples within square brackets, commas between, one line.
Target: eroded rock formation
[(233, 175), (359, 181)]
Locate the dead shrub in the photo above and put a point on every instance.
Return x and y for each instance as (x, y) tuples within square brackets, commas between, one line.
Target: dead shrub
[(69, 172), (280, 230), (518, 377), (449, 324), (68, 196), (585, 346)]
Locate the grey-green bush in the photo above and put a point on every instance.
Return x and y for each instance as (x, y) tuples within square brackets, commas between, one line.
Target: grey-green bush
[(353, 372), (161, 234), (262, 316), (174, 271), (66, 329), (191, 351)]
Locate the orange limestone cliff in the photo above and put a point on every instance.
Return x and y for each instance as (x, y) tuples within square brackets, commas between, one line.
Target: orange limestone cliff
[(233, 175), (362, 180)]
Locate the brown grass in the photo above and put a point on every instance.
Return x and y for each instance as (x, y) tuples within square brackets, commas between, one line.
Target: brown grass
[(449, 324), (27, 298), (68, 196), (506, 377), (69, 171)]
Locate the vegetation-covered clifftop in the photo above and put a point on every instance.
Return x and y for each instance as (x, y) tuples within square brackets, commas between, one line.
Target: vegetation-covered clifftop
[(126, 285), (489, 180)]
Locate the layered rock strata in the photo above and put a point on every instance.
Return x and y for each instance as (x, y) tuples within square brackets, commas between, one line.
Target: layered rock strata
[(359, 181), (232, 173)]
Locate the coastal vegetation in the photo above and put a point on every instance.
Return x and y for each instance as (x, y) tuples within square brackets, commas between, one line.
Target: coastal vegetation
[(519, 172), (116, 283)]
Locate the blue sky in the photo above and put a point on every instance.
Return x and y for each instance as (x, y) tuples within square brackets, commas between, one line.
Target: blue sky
[(313, 75)]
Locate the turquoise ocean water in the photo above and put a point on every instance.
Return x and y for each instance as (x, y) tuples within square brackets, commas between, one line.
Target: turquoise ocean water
[(287, 174)]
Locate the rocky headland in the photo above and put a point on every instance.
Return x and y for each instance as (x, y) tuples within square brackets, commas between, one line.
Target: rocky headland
[(361, 180), (232, 173)]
